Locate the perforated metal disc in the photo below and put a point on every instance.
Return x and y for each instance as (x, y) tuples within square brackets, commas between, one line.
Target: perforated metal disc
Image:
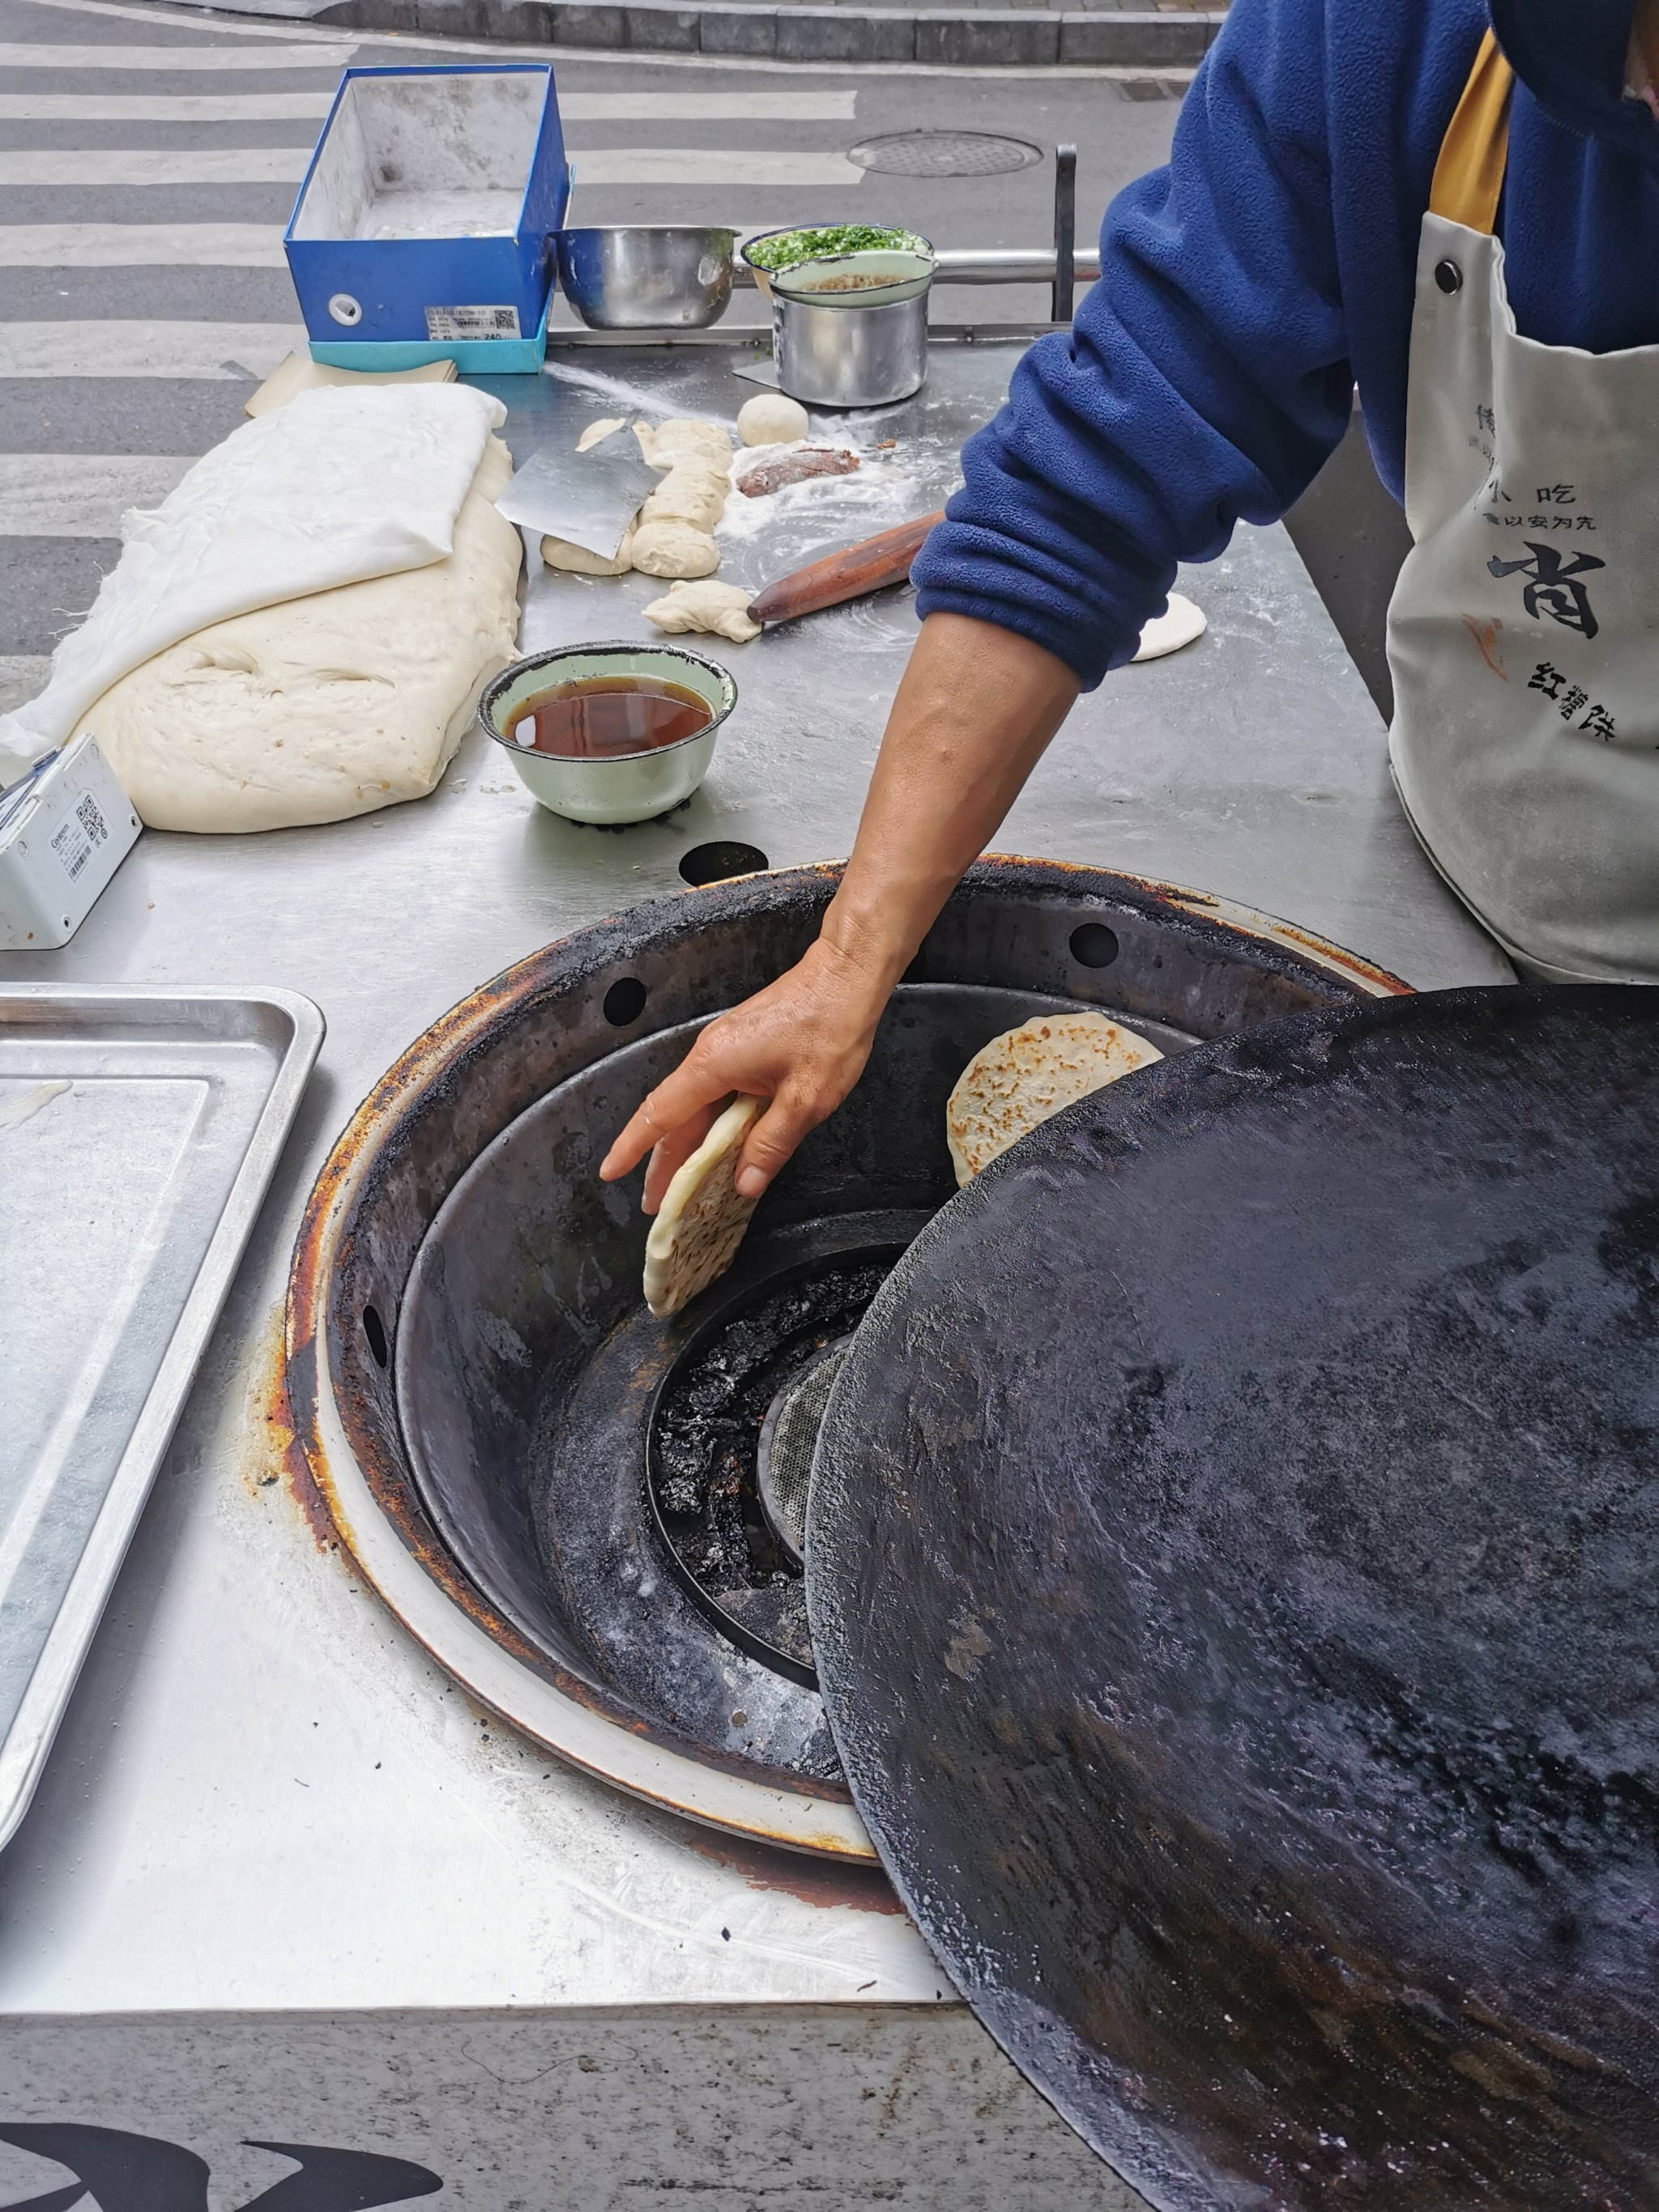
[(944, 154)]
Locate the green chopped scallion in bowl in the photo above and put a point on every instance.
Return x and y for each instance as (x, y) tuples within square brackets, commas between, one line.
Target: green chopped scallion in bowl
[(787, 249)]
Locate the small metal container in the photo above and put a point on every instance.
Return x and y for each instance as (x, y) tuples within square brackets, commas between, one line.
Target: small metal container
[(628, 787), (637, 276), (849, 356)]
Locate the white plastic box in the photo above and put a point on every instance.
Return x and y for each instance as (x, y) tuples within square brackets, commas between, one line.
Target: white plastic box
[(65, 830)]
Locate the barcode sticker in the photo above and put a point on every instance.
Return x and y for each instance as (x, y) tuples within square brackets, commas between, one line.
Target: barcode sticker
[(77, 835), (447, 324)]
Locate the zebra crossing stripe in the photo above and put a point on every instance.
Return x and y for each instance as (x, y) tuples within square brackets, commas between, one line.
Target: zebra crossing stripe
[(218, 352), (142, 246), (163, 107), (80, 495), (208, 165)]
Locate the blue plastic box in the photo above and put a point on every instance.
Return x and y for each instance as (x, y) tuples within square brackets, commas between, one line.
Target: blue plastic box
[(425, 229)]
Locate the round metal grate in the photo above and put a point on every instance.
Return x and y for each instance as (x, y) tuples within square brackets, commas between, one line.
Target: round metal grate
[(944, 154)]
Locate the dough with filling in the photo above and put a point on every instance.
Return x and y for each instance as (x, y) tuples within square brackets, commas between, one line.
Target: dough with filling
[(1179, 624), (596, 431), (1017, 1081), (683, 439), (674, 549), (696, 1233), (771, 418), (689, 493), (577, 561), (716, 609), (325, 706)]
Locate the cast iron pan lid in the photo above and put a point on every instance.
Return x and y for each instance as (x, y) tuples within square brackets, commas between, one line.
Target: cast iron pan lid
[(1234, 1573)]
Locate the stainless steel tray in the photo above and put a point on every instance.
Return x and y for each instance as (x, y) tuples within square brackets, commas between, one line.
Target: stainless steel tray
[(138, 1131)]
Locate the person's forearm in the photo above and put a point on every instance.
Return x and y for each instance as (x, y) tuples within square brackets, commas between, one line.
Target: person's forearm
[(976, 710)]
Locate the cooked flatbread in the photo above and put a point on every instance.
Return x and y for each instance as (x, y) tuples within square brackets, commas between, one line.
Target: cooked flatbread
[(696, 1235), (1026, 1074)]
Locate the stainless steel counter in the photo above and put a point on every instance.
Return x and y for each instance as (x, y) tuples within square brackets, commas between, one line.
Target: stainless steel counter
[(265, 1799)]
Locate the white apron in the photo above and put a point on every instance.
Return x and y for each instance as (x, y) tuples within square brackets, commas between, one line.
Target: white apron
[(1524, 633)]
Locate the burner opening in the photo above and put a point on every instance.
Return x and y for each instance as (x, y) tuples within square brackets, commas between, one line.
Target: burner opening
[(374, 1330), (624, 1002), (1094, 946)]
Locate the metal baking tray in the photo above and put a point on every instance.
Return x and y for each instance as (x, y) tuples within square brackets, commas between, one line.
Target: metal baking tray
[(138, 1131)]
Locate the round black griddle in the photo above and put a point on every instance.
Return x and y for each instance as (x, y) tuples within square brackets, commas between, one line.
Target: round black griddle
[(1234, 1575)]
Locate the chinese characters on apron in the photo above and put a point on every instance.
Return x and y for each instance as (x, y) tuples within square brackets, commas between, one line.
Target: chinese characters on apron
[(1523, 633)]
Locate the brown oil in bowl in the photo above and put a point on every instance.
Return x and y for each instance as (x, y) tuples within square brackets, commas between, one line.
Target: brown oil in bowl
[(609, 717)]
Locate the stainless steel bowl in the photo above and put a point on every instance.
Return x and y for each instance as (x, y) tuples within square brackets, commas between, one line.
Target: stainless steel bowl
[(849, 355), (637, 276)]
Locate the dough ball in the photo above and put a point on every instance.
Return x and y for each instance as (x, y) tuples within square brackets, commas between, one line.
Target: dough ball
[(577, 561), (596, 431), (1179, 624), (674, 549), (716, 609), (689, 493), (771, 418), (681, 439)]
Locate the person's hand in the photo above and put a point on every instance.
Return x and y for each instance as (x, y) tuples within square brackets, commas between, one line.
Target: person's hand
[(802, 1043)]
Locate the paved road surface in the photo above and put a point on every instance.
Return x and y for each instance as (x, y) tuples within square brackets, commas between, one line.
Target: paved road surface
[(148, 158)]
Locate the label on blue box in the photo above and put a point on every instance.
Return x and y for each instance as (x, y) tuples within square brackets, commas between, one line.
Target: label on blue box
[(444, 324)]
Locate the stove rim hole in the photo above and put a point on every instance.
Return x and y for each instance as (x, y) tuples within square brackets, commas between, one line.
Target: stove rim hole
[(624, 1002), (718, 860), (1093, 946), (378, 1344)]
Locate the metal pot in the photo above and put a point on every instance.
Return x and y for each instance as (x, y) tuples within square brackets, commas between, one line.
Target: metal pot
[(849, 355), (637, 276)]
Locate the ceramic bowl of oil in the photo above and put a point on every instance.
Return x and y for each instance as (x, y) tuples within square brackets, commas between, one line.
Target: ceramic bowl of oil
[(610, 733)]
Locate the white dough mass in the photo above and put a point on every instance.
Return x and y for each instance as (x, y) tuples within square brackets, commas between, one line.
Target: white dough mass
[(321, 707), (771, 418), (717, 609), (1179, 624), (674, 549)]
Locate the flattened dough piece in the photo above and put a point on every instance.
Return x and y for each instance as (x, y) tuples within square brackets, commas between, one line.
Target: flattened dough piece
[(595, 431), (696, 1235), (674, 549), (577, 561), (1028, 1073), (326, 707), (771, 418), (689, 493), (716, 609), (1181, 623)]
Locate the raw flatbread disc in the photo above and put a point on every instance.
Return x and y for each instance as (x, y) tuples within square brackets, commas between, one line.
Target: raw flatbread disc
[(1180, 625), (1026, 1074), (696, 1235)]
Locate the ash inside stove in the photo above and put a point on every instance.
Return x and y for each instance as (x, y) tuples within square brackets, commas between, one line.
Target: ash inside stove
[(705, 1446)]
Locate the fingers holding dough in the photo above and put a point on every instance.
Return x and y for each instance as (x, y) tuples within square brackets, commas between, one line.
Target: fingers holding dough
[(716, 609)]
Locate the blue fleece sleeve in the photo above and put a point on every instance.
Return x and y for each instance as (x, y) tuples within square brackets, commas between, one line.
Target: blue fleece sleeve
[(1206, 377)]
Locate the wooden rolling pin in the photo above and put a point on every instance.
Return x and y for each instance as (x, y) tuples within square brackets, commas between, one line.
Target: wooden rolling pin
[(848, 574)]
